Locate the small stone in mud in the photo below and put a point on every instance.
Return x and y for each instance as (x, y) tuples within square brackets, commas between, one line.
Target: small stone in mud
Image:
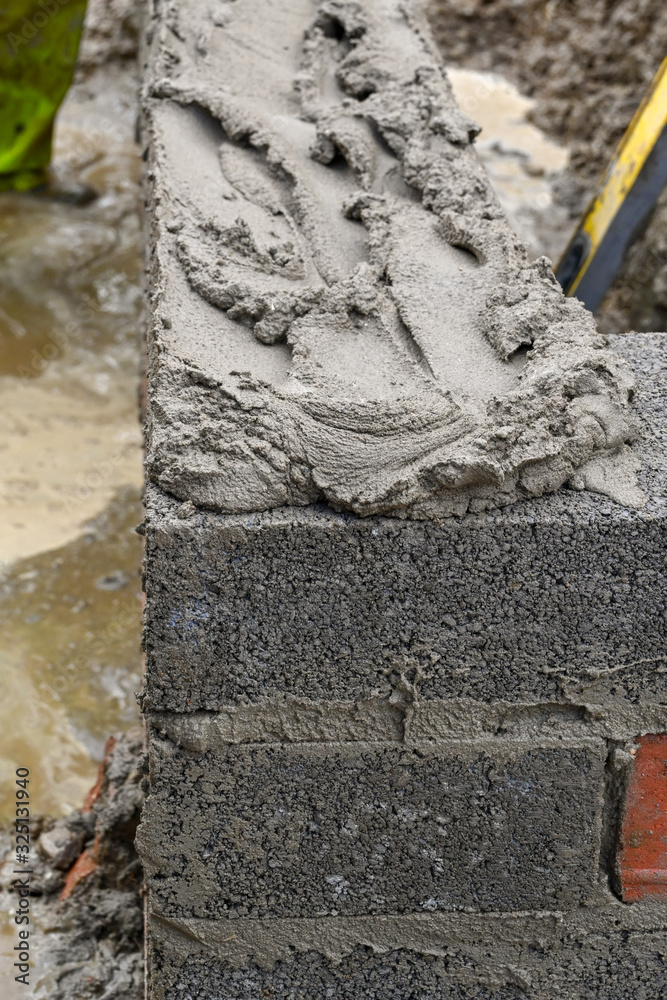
[(67, 192), (61, 845), (115, 580)]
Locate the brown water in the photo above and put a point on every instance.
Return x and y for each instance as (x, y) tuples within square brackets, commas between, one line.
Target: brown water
[(70, 455), (69, 660)]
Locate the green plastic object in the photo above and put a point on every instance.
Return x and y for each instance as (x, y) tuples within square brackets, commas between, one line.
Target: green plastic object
[(39, 43)]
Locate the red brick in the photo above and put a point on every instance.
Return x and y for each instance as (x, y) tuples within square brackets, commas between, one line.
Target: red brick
[(642, 858)]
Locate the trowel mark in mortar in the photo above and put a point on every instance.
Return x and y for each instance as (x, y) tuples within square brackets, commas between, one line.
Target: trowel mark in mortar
[(269, 236), (356, 138), (232, 263), (399, 229), (230, 260), (343, 129)]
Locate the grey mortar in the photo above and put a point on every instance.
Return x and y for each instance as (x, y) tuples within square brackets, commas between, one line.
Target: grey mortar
[(398, 719), (340, 310), (558, 600)]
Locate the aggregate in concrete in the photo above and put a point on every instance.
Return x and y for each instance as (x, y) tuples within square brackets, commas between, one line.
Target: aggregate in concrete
[(313, 605), (614, 969), (605, 952), (561, 599), (362, 828)]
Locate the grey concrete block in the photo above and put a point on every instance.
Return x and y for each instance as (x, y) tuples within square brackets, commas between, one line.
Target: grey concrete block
[(397, 976), (604, 953), (562, 598), (616, 969), (362, 828)]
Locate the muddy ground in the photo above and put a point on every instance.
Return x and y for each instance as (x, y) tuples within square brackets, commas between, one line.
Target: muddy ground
[(588, 66), (71, 472), (86, 887), (72, 421)]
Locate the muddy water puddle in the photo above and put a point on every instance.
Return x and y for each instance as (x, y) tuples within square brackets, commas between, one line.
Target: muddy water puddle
[(70, 620), (522, 161), (70, 452)]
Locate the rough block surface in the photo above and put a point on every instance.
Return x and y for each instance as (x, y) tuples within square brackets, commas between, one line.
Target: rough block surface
[(605, 952), (601, 969), (359, 828)]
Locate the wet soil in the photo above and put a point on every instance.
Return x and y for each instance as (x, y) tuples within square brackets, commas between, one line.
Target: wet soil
[(86, 890), (70, 622), (587, 67), (70, 443), (70, 497)]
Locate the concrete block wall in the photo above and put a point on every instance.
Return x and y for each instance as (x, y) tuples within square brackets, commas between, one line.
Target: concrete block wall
[(388, 758), (402, 646)]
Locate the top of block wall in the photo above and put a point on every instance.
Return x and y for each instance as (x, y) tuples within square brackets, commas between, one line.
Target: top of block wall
[(340, 310)]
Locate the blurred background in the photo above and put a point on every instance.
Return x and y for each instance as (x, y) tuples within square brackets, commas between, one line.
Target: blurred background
[(70, 441)]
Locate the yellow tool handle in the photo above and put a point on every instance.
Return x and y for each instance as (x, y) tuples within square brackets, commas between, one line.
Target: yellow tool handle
[(622, 201)]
